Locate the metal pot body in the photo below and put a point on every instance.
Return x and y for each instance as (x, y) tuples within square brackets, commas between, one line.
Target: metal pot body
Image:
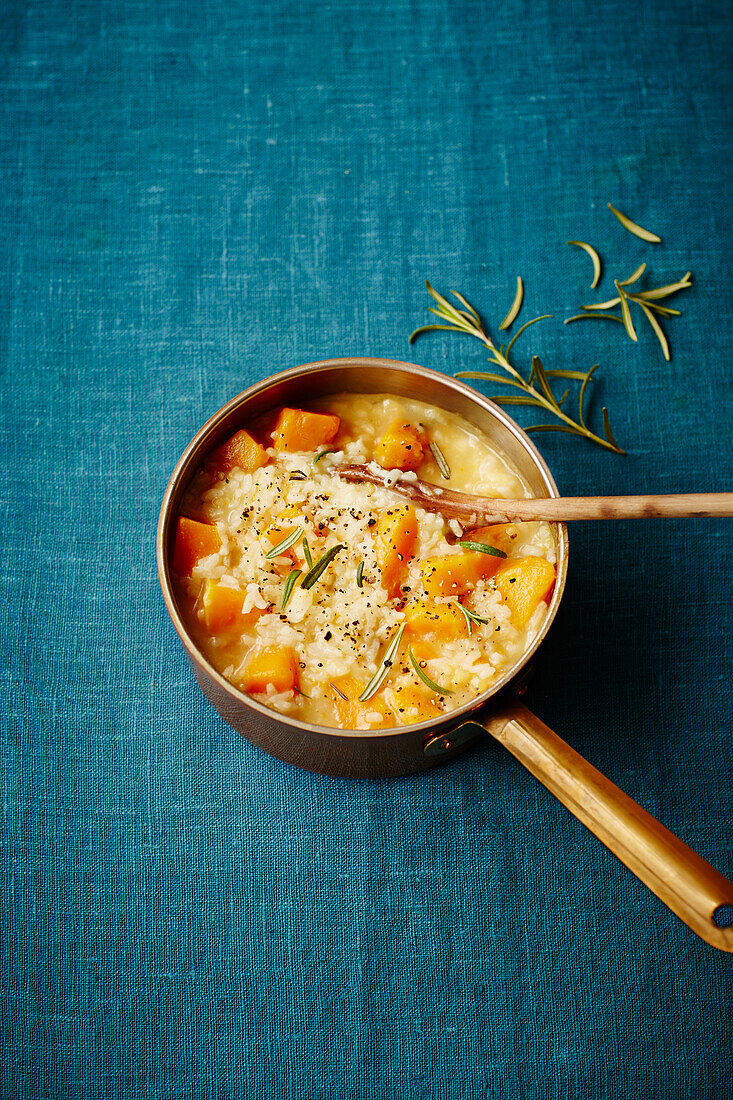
[(328, 751)]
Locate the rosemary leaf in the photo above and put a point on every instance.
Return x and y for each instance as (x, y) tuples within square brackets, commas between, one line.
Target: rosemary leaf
[(594, 257), (657, 328), (440, 460), (577, 375), (481, 548), (626, 313), (339, 692), (633, 227), (383, 671), (633, 278), (510, 399), (320, 566), (518, 333), (583, 388), (664, 310), (665, 291), (607, 429), (430, 328), (307, 552), (360, 575), (603, 305), (289, 586), (424, 676), (321, 454), (594, 317), (285, 544), (468, 306), (515, 306), (301, 693), (471, 617)]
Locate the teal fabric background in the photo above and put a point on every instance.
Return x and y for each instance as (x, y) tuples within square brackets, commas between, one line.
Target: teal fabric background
[(195, 195)]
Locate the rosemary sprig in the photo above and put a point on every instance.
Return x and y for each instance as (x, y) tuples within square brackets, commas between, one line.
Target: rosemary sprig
[(471, 617), (289, 586), (321, 566), (383, 671), (481, 548), (440, 461), (285, 544), (424, 676), (467, 321)]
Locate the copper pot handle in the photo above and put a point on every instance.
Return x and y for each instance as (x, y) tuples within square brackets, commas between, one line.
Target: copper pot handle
[(679, 877)]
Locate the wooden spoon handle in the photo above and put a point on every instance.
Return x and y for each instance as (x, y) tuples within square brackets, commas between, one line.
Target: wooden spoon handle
[(564, 509), (472, 510), (688, 885)]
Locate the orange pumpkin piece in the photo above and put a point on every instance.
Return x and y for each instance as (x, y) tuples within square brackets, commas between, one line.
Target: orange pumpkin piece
[(402, 447), (355, 715), (501, 535), (269, 666), (194, 540), (240, 451), (413, 703), (523, 585), (222, 608), (444, 620), (456, 574), (299, 430), (396, 534)]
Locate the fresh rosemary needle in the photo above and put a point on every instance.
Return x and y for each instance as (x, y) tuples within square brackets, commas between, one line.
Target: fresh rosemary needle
[(424, 676), (481, 548), (360, 575), (383, 671), (594, 257), (287, 542), (289, 586), (632, 227), (515, 306), (440, 461), (307, 552), (320, 566)]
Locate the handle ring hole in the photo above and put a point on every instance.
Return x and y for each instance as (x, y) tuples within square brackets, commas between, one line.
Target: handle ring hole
[(723, 916)]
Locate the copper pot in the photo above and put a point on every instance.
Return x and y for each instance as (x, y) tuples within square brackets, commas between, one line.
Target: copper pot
[(686, 883)]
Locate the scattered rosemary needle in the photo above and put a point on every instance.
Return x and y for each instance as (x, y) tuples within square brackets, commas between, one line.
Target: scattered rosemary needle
[(515, 306), (424, 676), (655, 325), (320, 566), (468, 322), (307, 552), (339, 692), (633, 278), (626, 312), (471, 617), (383, 671), (301, 693), (320, 455), (289, 586), (287, 542), (360, 575), (481, 548), (594, 257), (633, 227), (440, 461), (593, 317)]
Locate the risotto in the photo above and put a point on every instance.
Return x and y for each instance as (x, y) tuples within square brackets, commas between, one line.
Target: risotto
[(337, 603)]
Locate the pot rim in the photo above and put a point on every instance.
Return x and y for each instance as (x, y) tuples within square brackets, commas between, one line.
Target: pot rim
[(183, 470)]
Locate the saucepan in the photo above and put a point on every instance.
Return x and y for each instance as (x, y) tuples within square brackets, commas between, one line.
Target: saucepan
[(688, 885)]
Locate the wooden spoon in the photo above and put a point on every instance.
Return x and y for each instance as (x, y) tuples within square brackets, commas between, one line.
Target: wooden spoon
[(470, 509)]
